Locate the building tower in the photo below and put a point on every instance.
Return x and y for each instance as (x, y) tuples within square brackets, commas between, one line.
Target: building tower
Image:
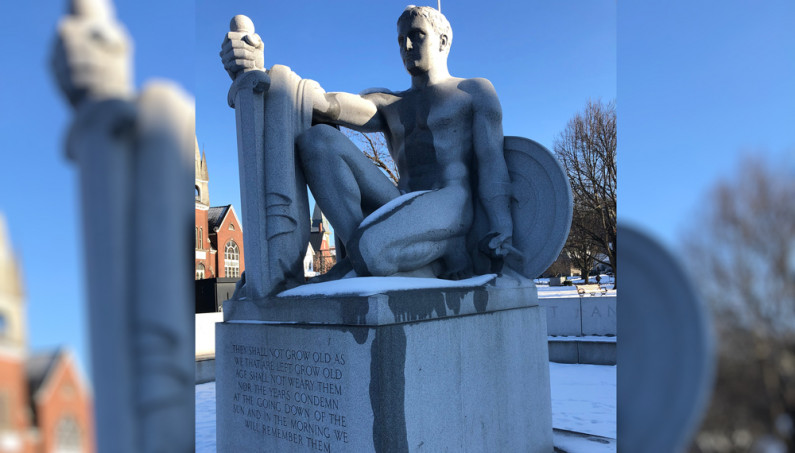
[(202, 259), (15, 419), (202, 191)]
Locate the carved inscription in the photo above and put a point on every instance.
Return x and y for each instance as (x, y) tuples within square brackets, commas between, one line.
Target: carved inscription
[(293, 395)]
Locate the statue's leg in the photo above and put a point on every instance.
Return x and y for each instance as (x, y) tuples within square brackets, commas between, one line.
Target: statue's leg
[(415, 232), (345, 183)]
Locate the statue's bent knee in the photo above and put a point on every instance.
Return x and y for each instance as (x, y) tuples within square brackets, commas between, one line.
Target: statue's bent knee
[(371, 256), (316, 139)]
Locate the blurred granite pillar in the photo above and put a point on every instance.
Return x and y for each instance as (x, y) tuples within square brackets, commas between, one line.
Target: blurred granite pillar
[(134, 154)]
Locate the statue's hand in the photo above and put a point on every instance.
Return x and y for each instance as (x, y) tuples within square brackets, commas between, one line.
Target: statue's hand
[(92, 58), (497, 245), (242, 49)]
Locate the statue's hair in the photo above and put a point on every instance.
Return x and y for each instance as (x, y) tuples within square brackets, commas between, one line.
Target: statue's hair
[(437, 20)]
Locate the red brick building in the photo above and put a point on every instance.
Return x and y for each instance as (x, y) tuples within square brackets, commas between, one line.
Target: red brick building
[(320, 255), (218, 231), (45, 402)]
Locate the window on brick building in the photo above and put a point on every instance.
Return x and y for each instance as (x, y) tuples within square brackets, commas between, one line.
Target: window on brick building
[(200, 271), (67, 435), (198, 194), (199, 238), (232, 260), (232, 226)]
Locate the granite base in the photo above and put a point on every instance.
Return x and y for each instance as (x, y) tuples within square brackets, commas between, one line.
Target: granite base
[(474, 381)]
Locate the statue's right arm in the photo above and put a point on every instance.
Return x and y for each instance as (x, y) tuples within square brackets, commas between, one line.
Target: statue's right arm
[(360, 113), (243, 51)]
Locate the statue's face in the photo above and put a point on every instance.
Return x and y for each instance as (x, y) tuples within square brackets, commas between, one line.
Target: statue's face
[(419, 44)]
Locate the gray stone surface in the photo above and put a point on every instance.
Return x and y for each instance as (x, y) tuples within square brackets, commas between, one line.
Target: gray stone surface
[(579, 316), (463, 383), (582, 351), (598, 315), (91, 33), (597, 352), (205, 370), (133, 152), (563, 352), (564, 316), (382, 308), (451, 213), (666, 344)]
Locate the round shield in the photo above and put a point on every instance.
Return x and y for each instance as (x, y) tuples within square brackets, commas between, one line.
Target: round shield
[(665, 349), (541, 206)]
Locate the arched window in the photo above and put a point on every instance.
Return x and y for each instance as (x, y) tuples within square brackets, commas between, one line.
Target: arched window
[(67, 435), (197, 194), (3, 325), (232, 260), (200, 271), (199, 238), (232, 226)]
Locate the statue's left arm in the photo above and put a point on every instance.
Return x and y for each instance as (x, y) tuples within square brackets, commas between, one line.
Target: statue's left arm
[(494, 184)]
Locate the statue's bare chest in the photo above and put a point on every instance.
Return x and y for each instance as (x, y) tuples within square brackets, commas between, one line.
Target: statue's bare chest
[(431, 112)]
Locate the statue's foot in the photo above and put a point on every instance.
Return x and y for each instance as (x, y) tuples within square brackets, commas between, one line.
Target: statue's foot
[(457, 264), (509, 277), (338, 271), (457, 274), (426, 271)]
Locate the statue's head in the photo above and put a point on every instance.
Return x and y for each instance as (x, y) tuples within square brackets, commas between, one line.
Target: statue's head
[(424, 36)]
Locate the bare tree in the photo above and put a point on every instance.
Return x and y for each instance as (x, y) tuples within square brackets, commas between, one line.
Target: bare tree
[(374, 147), (561, 267), (743, 252), (587, 150), (581, 248)]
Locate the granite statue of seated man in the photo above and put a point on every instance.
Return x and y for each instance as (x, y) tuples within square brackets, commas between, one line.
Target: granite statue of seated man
[(444, 133)]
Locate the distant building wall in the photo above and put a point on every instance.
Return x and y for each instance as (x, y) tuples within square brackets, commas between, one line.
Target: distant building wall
[(15, 420), (64, 410), (229, 230), (203, 256)]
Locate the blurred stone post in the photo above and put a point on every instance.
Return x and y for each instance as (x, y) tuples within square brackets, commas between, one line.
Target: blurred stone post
[(134, 155)]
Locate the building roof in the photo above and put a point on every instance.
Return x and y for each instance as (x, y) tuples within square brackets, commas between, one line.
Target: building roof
[(215, 216), (37, 368), (317, 220), (315, 240)]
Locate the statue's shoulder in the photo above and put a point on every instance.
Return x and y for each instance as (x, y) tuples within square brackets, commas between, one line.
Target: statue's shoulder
[(477, 85), (484, 97), (382, 97), (377, 90)]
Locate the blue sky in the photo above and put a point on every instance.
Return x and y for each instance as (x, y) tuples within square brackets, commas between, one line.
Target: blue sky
[(696, 85), (699, 84)]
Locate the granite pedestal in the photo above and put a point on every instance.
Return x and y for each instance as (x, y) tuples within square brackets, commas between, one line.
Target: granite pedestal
[(440, 369)]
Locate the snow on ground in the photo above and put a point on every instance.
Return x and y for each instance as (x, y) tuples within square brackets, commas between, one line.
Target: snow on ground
[(583, 400), (205, 418), (546, 291)]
